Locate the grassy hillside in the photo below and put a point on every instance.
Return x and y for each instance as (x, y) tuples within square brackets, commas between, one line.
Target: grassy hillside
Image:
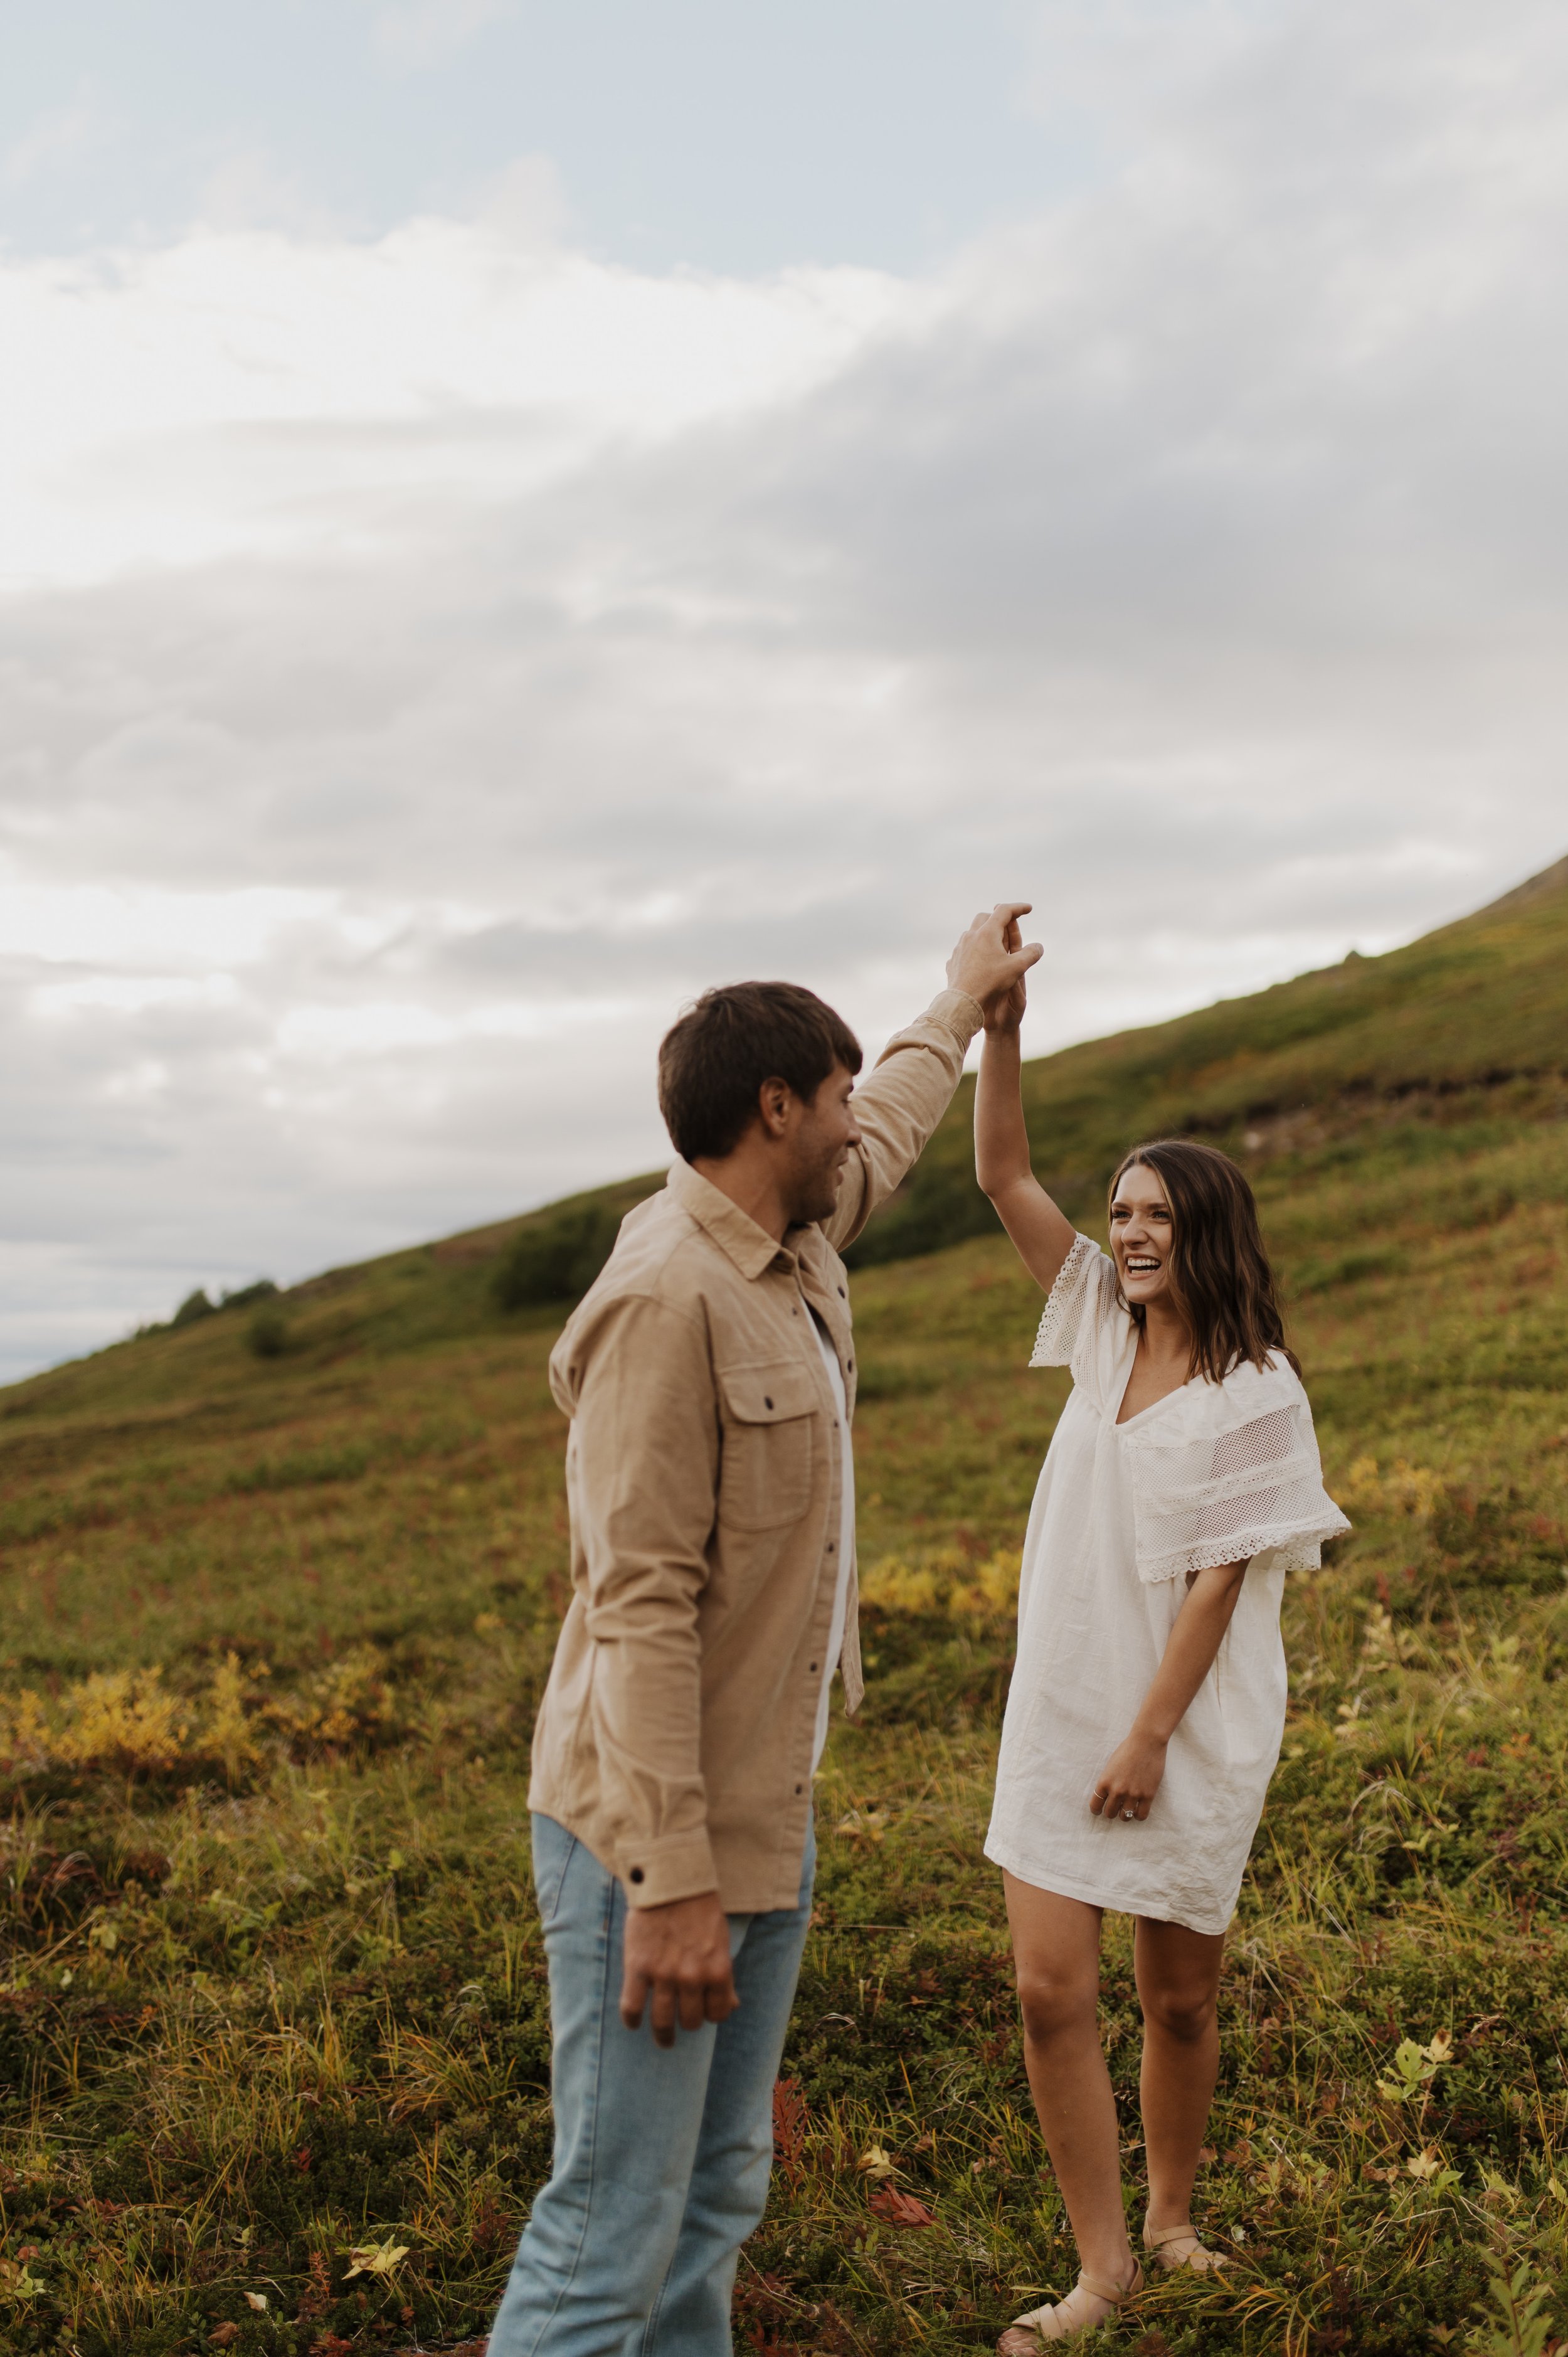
[(273, 1625), (1469, 1022)]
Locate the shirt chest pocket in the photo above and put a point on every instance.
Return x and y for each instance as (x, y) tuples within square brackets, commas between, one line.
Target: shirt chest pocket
[(770, 1415)]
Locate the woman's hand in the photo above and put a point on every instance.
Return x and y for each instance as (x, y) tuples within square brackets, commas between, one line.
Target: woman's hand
[(1130, 1778)]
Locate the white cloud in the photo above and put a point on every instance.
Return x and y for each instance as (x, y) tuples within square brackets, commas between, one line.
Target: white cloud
[(247, 392), (430, 661), (124, 994), (143, 924)]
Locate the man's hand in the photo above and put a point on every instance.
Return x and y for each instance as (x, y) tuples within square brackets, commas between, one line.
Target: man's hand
[(990, 961), (678, 1955)]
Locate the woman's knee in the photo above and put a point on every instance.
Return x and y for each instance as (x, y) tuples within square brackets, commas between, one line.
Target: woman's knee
[(1185, 2012), (1052, 2000)]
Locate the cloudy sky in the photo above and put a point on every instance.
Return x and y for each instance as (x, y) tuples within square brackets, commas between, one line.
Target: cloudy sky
[(512, 511)]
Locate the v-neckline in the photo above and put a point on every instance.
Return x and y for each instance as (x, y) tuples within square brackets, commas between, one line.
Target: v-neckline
[(1119, 1423)]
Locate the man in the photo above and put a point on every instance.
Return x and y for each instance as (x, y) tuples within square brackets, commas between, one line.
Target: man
[(709, 1376)]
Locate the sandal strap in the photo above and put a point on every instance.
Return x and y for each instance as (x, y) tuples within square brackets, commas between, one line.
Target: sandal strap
[(1107, 2288), (1157, 2239)]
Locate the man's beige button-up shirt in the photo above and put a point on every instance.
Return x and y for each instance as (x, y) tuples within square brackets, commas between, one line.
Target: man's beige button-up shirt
[(704, 1472)]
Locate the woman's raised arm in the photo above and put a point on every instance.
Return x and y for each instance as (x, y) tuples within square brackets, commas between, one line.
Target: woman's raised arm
[(1042, 1235)]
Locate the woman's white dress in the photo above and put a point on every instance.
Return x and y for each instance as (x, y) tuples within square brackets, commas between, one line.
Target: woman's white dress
[(1212, 1473)]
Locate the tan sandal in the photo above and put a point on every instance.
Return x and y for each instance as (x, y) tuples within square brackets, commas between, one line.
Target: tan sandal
[(1200, 2258), (1050, 2324)]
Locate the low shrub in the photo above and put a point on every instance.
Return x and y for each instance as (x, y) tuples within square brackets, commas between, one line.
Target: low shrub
[(266, 1337), (127, 1723), (556, 1259)]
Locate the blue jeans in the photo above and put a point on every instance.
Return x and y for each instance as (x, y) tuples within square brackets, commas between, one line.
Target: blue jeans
[(661, 2154)]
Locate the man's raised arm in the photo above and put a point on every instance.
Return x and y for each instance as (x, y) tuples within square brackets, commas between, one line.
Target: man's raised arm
[(898, 1105)]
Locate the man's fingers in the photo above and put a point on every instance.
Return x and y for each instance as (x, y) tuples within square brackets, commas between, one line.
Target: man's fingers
[(662, 2014), (689, 2002), (1011, 910), (1030, 954)]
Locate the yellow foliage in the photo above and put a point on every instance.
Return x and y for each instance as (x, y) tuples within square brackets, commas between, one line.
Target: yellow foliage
[(125, 1721), (991, 1592), (947, 1581), (1405, 1489), (895, 1586), (228, 1732), (127, 1724), (349, 1701)]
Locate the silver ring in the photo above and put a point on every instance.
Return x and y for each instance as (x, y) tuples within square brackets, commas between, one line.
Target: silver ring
[(1127, 1814)]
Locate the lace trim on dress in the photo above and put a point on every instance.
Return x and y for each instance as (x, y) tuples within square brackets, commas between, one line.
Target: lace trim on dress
[(1287, 1551), (1058, 1335), (1205, 1499)]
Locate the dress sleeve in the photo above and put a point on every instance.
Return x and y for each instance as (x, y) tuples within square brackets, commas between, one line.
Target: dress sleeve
[(1235, 1477), (1075, 1306)]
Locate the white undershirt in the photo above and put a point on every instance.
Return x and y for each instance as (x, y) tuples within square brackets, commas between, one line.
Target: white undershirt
[(845, 1536)]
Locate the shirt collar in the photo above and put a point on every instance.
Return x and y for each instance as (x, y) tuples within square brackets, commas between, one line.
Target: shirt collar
[(738, 1237)]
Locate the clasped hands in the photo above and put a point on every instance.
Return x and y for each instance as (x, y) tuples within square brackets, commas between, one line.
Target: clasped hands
[(990, 961)]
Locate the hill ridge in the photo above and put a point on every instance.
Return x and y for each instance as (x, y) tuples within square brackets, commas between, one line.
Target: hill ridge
[(1471, 1014)]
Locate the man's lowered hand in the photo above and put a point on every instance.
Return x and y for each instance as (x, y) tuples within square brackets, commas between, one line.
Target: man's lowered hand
[(677, 1961)]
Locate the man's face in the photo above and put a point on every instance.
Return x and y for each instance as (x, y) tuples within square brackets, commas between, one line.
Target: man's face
[(817, 1145)]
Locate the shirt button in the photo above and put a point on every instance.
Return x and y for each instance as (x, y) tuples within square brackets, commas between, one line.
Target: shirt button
[(830, 1547), (798, 1789), (635, 1874), (843, 1295), (813, 1665), (767, 1402)]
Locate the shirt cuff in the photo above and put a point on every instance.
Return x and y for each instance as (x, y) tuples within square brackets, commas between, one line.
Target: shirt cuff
[(677, 1866), (957, 1013)]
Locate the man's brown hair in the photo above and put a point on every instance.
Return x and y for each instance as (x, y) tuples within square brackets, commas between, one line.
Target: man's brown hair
[(714, 1062), (1219, 1270)]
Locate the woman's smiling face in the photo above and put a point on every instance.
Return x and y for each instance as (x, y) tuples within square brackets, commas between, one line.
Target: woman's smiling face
[(1141, 1231)]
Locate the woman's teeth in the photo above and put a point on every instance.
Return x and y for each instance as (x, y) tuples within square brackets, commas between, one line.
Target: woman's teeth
[(1143, 1267)]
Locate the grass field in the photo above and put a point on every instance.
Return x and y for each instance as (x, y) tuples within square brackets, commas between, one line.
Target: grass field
[(277, 1608)]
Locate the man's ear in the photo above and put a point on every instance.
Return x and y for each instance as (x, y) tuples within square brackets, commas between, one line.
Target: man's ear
[(774, 1099)]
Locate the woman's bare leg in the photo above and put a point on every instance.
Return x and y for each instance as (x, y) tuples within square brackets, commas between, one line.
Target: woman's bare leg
[(1056, 1947), (1178, 1987)]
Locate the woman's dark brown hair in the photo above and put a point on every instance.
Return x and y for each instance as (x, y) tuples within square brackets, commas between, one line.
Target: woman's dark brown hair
[(1219, 1272)]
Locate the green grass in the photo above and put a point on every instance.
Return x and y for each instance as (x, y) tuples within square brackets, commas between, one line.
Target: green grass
[(273, 1634)]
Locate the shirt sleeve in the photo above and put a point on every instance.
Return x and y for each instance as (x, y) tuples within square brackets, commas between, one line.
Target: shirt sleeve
[(1079, 1307), (898, 1107), (1237, 1477), (646, 1406)]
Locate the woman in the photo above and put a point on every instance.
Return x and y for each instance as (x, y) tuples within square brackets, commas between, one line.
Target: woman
[(1147, 1705)]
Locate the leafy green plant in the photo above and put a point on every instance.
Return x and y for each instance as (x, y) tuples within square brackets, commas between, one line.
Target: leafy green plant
[(1515, 2323)]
